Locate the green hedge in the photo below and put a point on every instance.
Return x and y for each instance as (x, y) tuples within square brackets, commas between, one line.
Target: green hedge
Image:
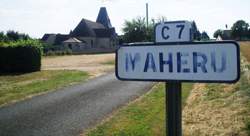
[(20, 59)]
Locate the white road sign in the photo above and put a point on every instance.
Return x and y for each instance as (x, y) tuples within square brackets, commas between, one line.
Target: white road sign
[(194, 62), (177, 31)]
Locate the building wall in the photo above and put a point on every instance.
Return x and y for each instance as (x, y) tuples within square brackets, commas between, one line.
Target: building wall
[(92, 45), (75, 47), (103, 43), (90, 41)]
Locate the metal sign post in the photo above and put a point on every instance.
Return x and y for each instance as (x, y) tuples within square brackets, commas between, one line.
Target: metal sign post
[(173, 59), (173, 88), (174, 111)]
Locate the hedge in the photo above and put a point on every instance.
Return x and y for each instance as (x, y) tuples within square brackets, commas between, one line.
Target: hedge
[(20, 59)]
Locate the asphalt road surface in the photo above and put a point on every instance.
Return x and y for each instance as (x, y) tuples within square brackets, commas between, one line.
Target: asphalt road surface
[(68, 111)]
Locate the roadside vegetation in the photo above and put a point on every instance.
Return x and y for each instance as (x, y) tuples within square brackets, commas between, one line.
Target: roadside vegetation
[(245, 49), (144, 117), (16, 87), (219, 109), (111, 62)]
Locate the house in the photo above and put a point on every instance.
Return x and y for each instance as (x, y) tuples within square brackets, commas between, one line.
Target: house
[(88, 36), (225, 35)]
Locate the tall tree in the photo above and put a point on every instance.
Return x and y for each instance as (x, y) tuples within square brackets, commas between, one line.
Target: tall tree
[(240, 30), (195, 31), (12, 35), (137, 31), (3, 37), (15, 36), (248, 34), (204, 36), (217, 33)]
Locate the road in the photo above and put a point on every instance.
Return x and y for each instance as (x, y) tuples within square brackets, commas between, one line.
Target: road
[(68, 111)]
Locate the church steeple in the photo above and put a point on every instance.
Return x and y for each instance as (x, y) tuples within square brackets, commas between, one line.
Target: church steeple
[(103, 18)]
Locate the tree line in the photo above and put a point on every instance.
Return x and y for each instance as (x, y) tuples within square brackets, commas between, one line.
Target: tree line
[(239, 31), (13, 36), (137, 30)]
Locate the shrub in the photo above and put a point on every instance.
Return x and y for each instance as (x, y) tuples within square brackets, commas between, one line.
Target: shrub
[(20, 58), (58, 52)]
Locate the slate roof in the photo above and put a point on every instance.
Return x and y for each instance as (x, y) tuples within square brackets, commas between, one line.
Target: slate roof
[(46, 36), (103, 18), (104, 32), (60, 38), (85, 28)]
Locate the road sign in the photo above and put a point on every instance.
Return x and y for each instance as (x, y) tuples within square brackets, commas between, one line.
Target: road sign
[(192, 61), (177, 31)]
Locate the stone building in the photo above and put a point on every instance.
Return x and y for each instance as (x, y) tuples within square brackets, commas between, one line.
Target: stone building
[(88, 36)]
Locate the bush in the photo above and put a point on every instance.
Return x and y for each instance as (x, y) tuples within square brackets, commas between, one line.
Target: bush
[(21, 58), (58, 52)]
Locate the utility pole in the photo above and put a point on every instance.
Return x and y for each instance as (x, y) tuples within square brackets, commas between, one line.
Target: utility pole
[(147, 14)]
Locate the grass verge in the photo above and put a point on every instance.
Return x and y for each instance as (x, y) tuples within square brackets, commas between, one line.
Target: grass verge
[(144, 117), (245, 49), (17, 87), (219, 109), (111, 62)]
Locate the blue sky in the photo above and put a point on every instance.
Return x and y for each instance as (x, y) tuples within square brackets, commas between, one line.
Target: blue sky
[(36, 17)]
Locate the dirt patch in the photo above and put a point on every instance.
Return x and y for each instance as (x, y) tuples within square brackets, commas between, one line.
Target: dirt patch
[(93, 64)]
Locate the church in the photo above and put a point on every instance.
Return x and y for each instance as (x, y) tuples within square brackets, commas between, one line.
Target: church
[(88, 36)]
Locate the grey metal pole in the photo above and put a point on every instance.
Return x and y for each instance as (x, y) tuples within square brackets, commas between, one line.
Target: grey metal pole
[(147, 14), (173, 112)]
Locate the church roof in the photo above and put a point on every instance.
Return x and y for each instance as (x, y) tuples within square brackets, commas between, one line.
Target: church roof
[(105, 32), (46, 36), (60, 38), (85, 28), (103, 18)]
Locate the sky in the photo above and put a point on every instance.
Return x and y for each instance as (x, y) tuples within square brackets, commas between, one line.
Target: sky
[(37, 17)]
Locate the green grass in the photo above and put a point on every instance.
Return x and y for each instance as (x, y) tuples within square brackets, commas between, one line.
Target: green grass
[(111, 62), (17, 87), (145, 117), (244, 89)]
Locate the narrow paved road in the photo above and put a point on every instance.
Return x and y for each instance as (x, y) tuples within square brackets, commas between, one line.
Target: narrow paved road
[(68, 111)]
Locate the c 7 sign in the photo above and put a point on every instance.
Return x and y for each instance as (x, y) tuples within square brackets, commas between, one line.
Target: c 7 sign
[(178, 31)]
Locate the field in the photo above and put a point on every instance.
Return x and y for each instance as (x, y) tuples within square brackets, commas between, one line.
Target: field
[(95, 65)]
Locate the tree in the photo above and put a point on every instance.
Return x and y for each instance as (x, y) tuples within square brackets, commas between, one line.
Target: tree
[(137, 31), (217, 33), (240, 30), (12, 35), (15, 36), (3, 37), (196, 33), (248, 35), (204, 36)]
